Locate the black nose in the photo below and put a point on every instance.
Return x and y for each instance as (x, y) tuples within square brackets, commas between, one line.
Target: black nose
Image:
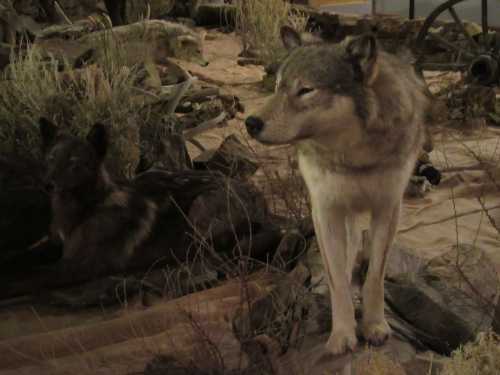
[(254, 125)]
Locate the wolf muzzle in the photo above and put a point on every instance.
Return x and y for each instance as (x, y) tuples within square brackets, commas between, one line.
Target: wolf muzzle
[(254, 125)]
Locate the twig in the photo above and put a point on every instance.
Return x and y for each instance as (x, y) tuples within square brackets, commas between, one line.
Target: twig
[(174, 102), (421, 224), (204, 126), (478, 167), (181, 91), (61, 13), (490, 218), (197, 144)]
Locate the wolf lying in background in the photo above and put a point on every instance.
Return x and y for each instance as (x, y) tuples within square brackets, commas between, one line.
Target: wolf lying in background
[(356, 116), (100, 224)]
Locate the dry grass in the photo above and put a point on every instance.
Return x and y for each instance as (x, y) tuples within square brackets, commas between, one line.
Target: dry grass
[(481, 357), (377, 363), (258, 23), (33, 85)]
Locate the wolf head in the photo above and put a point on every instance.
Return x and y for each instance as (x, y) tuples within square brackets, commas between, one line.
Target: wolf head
[(73, 162), (320, 91)]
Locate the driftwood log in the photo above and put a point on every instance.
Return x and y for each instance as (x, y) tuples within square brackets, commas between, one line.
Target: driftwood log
[(114, 341)]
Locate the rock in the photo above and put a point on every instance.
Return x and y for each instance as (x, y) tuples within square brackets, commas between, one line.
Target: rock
[(402, 261), (232, 159), (449, 305)]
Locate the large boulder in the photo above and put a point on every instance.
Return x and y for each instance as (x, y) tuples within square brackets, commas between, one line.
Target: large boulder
[(449, 300)]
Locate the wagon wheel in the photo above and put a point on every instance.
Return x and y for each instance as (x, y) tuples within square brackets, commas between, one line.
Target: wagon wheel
[(476, 53)]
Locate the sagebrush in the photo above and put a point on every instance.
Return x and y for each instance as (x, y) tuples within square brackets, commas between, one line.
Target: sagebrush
[(36, 84), (481, 357), (258, 23)]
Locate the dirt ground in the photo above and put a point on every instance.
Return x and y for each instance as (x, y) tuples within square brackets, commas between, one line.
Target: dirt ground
[(430, 226)]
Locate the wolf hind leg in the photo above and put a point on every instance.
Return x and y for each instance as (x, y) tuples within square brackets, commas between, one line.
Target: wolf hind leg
[(330, 226), (382, 232)]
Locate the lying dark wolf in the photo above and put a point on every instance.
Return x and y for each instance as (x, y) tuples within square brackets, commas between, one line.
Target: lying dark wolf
[(356, 115), (100, 224), (108, 228)]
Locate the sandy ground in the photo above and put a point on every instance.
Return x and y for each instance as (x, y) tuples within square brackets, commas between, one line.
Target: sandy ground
[(430, 226)]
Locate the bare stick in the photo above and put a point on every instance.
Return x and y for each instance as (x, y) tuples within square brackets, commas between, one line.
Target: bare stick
[(61, 13), (422, 224), (204, 126), (183, 87)]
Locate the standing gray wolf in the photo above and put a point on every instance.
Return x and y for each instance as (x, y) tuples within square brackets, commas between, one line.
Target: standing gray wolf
[(356, 115)]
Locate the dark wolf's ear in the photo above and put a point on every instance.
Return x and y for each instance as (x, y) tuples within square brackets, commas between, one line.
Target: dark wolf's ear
[(48, 131), (291, 38), (362, 52), (98, 137)]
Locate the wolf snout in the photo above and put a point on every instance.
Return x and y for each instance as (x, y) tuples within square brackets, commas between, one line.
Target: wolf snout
[(254, 125)]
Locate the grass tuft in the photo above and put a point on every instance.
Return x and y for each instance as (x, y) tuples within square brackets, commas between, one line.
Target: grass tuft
[(479, 357), (258, 23), (36, 85)]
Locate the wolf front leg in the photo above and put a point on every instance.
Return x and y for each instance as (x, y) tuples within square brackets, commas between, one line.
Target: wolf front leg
[(383, 229), (353, 242), (332, 236)]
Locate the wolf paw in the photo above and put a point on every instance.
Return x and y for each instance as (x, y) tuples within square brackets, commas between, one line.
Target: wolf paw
[(341, 342), (376, 333)]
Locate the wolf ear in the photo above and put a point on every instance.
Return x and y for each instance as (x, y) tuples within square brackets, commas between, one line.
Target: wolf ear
[(362, 52), (48, 132), (98, 137), (291, 38)]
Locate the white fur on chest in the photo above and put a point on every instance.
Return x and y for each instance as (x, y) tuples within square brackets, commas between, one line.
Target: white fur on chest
[(360, 192)]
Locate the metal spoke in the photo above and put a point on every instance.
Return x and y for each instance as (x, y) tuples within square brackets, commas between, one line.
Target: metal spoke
[(449, 45), (484, 19), (462, 28), (443, 66), (412, 9)]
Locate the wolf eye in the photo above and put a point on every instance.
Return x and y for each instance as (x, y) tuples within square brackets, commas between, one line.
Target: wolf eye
[(304, 90)]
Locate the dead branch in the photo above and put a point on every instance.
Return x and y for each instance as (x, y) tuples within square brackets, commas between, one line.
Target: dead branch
[(205, 126), (61, 13), (440, 221)]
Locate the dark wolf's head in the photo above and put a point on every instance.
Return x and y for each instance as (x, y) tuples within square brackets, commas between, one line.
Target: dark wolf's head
[(73, 162), (320, 90)]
